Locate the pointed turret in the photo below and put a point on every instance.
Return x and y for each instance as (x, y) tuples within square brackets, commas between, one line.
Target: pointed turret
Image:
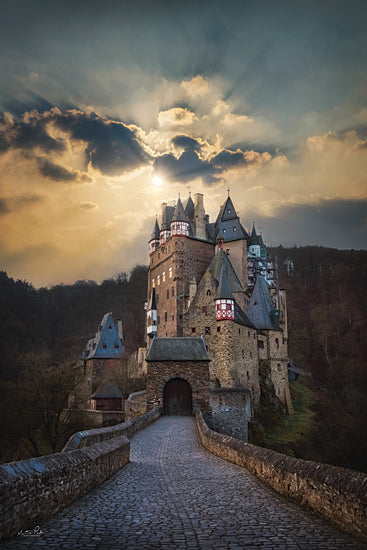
[(152, 315), (179, 225), (189, 208), (164, 233), (154, 238), (224, 301), (261, 310)]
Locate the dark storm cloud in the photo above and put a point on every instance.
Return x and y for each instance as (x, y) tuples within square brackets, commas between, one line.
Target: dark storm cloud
[(187, 143), (189, 166), (56, 172), (111, 147), (336, 223), (185, 168)]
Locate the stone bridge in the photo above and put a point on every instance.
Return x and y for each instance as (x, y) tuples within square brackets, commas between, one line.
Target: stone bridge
[(174, 494)]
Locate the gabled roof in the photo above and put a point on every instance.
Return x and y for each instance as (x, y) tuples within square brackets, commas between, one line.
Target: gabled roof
[(215, 267), (228, 224), (155, 232), (106, 344), (177, 349), (261, 311), (179, 213)]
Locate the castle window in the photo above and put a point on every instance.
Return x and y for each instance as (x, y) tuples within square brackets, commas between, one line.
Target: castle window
[(159, 255), (239, 331), (104, 345), (159, 319), (193, 330), (229, 210), (250, 354), (164, 276), (170, 272), (153, 283), (254, 336), (235, 229), (158, 280), (248, 375), (260, 344), (218, 329), (204, 310), (173, 291), (277, 343), (165, 316), (208, 292), (167, 293), (243, 354), (224, 230), (207, 330), (173, 317)]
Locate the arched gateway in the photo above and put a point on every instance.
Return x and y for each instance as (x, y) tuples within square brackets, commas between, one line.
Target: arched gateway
[(178, 375), (177, 398)]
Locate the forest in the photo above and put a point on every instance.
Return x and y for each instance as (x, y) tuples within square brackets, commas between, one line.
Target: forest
[(45, 330)]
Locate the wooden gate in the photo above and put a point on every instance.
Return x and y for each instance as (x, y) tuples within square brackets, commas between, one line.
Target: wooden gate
[(177, 398)]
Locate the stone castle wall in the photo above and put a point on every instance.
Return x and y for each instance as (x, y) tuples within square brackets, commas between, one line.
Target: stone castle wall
[(196, 374), (230, 412), (338, 494)]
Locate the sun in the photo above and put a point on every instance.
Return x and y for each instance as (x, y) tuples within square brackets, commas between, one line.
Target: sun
[(157, 181)]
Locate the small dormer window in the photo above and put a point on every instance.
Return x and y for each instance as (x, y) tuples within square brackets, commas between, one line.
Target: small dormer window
[(235, 229), (229, 210), (104, 345)]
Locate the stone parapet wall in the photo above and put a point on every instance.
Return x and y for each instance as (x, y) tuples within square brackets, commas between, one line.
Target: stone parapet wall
[(35, 489), (86, 438), (338, 494), (136, 404)]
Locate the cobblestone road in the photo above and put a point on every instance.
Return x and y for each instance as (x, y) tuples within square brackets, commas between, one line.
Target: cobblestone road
[(175, 495)]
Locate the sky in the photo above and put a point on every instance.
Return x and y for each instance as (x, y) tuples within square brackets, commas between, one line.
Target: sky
[(108, 109)]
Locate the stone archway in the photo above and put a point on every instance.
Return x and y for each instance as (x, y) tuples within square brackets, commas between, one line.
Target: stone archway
[(177, 397)]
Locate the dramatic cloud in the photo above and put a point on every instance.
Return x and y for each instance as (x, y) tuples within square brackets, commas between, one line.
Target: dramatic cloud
[(87, 205), (13, 204), (187, 143), (110, 147), (56, 172), (187, 167)]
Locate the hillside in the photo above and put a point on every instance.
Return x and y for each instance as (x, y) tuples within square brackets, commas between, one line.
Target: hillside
[(327, 317)]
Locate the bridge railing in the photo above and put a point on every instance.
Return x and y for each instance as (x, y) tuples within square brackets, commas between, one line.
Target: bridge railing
[(35, 489), (338, 494)]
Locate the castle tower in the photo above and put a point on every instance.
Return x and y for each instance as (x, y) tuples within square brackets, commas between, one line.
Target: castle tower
[(152, 316), (229, 227), (179, 225), (224, 302), (154, 238), (164, 233)]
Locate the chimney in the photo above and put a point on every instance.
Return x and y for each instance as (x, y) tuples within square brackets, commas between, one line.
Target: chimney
[(119, 329), (200, 220)]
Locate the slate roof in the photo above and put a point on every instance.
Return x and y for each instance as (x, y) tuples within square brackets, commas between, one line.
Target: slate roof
[(241, 318), (261, 311), (179, 214), (155, 232), (167, 217), (224, 290), (106, 344), (177, 349), (107, 390), (189, 208), (152, 304), (228, 223), (215, 267)]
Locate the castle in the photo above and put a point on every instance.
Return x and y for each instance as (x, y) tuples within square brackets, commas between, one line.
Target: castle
[(214, 312), (215, 281)]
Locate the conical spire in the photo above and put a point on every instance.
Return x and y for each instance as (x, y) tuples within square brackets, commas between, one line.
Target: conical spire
[(179, 214), (253, 232), (261, 311), (189, 208), (224, 290), (155, 232)]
